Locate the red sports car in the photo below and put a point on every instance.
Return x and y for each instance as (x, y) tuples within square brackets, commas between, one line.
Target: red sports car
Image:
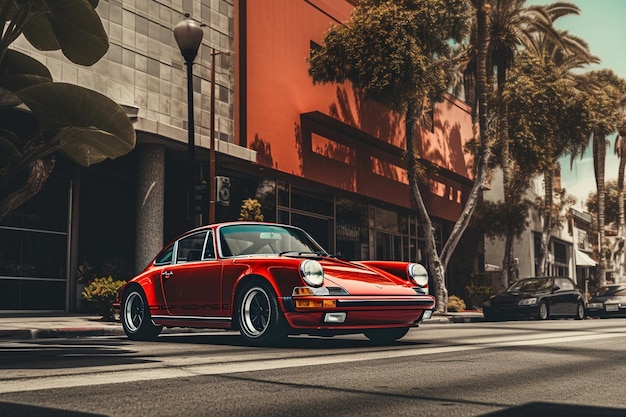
[(269, 281)]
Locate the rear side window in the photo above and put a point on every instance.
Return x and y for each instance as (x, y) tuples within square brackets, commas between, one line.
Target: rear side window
[(564, 284), (190, 248), (209, 248)]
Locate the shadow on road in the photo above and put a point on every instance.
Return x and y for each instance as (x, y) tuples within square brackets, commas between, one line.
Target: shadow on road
[(557, 410), (18, 410)]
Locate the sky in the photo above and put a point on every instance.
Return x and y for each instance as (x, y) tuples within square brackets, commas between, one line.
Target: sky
[(601, 24)]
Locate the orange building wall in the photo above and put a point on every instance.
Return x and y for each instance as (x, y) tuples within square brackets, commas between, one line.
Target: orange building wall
[(323, 132)]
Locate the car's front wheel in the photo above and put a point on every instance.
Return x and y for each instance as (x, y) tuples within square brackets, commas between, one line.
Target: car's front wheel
[(259, 316), (580, 311), (136, 319), (383, 336), (543, 311)]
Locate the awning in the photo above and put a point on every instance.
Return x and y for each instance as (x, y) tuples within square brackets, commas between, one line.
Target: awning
[(582, 259), (492, 267)]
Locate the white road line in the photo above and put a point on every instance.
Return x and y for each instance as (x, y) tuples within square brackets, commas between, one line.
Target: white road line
[(169, 370)]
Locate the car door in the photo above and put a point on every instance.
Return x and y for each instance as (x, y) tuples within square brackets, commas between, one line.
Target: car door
[(565, 297), (191, 285)]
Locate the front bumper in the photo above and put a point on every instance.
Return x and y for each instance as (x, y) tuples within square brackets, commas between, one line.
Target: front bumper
[(359, 313), (512, 311)]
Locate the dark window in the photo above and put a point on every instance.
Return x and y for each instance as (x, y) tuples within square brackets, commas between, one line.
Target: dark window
[(209, 249), (190, 247), (165, 258)]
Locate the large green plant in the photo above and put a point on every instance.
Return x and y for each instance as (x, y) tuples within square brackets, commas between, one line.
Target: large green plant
[(39, 117)]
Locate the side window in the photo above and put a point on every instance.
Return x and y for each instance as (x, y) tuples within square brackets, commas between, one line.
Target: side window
[(564, 285), (190, 248), (209, 248), (165, 258)]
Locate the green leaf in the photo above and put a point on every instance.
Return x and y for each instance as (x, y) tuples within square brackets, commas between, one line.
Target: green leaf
[(70, 25), (86, 125)]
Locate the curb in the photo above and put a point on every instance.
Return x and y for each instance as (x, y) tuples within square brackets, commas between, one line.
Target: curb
[(26, 334)]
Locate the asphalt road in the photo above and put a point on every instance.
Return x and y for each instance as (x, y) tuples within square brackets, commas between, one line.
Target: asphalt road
[(557, 368)]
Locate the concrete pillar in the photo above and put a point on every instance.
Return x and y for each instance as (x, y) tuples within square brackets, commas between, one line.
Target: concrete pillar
[(150, 203)]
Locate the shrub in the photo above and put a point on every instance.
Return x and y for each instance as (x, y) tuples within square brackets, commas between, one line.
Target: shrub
[(101, 293), (479, 289), (251, 210), (455, 304)]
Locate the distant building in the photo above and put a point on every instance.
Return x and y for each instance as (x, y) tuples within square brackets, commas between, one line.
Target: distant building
[(313, 156), (570, 246)]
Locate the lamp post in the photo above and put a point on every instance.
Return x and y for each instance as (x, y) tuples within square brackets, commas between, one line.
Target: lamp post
[(188, 34)]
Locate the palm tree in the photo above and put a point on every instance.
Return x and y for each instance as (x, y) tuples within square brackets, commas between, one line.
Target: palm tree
[(512, 26), (620, 150), (606, 94), (563, 54)]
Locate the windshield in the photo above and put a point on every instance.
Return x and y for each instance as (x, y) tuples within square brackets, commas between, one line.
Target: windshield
[(256, 239), (612, 290), (531, 285)]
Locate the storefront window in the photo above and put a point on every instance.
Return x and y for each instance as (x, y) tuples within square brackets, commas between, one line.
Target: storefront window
[(352, 239), (33, 250)]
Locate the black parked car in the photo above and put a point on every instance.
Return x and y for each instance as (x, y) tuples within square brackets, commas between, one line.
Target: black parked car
[(537, 297), (609, 300)]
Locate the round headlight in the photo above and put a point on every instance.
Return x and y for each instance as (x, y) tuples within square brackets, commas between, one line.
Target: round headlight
[(418, 274), (312, 273)]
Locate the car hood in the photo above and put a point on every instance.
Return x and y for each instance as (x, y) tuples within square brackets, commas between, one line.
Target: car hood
[(510, 296), (357, 279), (361, 280), (610, 298)]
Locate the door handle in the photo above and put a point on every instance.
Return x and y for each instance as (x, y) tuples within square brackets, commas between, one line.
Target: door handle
[(167, 274)]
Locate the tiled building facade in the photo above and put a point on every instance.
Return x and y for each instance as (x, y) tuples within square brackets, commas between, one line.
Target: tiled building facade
[(277, 141)]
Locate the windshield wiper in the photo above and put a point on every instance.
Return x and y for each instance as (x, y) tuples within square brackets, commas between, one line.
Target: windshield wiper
[(304, 253)]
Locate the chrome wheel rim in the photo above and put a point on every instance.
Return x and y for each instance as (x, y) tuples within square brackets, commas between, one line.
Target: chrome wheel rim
[(255, 312), (543, 311), (134, 312)]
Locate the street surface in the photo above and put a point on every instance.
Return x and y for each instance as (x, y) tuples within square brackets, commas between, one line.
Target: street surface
[(557, 368)]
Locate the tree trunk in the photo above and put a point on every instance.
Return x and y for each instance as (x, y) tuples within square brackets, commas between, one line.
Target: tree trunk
[(509, 273), (38, 173), (435, 267), (546, 232), (599, 153), (618, 252)]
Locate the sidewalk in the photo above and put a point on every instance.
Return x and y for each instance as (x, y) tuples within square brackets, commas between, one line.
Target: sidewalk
[(50, 325)]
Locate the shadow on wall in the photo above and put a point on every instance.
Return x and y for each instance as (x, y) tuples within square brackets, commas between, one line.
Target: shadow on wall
[(263, 151)]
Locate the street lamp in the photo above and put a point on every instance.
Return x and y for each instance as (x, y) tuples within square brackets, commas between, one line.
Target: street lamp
[(188, 34)]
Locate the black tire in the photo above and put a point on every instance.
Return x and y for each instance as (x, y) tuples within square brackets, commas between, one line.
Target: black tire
[(135, 316), (259, 315), (385, 336), (580, 311), (544, 312)]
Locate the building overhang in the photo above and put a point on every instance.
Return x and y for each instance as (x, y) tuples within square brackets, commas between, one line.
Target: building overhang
[(150, 131), (582, 259)]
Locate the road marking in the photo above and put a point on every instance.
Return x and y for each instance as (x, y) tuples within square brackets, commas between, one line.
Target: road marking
[(175, 369)]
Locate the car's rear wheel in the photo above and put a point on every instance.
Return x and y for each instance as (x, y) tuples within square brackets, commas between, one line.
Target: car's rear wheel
[(259, 316), (580, 311), (136, 319), (544, 313), (382, 336)]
